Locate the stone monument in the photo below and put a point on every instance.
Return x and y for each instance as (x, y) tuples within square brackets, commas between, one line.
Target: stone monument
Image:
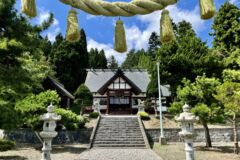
[(187, 120), (48, 132)]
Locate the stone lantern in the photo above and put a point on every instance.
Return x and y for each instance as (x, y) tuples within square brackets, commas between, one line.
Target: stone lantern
[(48, 132), (187, 120), (140, 105)]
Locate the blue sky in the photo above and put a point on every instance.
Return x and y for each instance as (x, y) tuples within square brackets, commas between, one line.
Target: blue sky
[(100, 30)]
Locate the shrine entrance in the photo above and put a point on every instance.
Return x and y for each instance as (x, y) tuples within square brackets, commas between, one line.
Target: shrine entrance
[(120, 102)]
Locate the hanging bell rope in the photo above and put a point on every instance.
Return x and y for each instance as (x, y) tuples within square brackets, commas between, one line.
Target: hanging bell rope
[(120, 44), (207, 9), (29, 8), (166, 29), (73, 33)]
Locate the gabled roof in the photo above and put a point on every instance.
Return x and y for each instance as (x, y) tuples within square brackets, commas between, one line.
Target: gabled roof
[(98, 78), (119, 73), (59, 87)]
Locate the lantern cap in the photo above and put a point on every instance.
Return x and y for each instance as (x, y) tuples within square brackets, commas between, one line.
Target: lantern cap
[(187, 116)]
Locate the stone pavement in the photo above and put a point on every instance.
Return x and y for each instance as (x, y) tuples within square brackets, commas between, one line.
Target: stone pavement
[(118, 154)]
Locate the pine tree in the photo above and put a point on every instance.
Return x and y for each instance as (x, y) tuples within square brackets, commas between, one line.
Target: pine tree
[(154, 44), (145, 61), (102, 60), (226, 29), (70, 61), (22, 62), (187, 57), (132, 59), (112, 63), (97, 59)]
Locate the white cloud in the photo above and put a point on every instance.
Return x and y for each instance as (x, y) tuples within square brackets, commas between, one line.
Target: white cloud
[(54, 28), (52, 34), (233, 1), (44, 15), (108, 48), (138, 39)]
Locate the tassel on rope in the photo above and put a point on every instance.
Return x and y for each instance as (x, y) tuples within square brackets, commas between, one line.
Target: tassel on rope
[(73, 33), (120, 44), (207, 9), (166, 29), (29, 8)]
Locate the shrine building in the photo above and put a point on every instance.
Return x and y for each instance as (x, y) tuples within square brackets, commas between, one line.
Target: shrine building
[(118, 90)]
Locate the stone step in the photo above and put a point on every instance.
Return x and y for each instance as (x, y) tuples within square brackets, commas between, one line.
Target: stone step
[(119, 139), (120, 145), (119, 132), (119, 142), (101, 134)]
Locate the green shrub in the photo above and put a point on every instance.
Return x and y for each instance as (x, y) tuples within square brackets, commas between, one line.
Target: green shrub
[(144, 115), (6, 145), (32, 106), (94, 115), (71, 120)]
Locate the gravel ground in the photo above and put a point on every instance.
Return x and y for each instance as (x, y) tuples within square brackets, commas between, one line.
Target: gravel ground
[(118, 154), (29, 152)]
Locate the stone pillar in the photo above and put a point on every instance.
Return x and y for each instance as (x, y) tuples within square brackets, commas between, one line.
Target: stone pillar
[(187, 120), (96, 106), (48, 132), (140, 105)]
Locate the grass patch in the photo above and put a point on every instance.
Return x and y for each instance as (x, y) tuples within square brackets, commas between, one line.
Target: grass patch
[(175, 151), (6, 145)]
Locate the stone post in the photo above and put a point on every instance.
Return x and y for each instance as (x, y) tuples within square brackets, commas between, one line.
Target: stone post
[(48, 132), (140, 105), (96, 106), (187, 120)]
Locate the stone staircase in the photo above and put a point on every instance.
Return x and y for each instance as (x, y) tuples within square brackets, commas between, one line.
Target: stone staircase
[(119, 131)]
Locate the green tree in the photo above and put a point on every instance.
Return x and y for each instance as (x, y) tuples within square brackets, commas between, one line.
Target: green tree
[(226, 30), (145, 61), (22, 61), (102, 59), (97, 59), (83, 97), (70, 60), (132, 59), (112, 63), (199, 95), (229, 95), (187, 57), (32, 106), (154, 44)]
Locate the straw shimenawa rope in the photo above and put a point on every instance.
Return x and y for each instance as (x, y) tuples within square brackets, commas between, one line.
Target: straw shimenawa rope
[(135, 7)]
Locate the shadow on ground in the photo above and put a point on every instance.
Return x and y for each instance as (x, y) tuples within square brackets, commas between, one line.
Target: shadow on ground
[(12, 158), (222, 149), (69, 149)]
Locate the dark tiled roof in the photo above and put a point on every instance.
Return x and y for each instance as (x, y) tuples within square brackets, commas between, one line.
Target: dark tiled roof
[(97, 78), (60, 87)]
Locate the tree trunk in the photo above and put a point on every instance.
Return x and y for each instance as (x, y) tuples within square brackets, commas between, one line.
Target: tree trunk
[(207, 135), (235, 135)]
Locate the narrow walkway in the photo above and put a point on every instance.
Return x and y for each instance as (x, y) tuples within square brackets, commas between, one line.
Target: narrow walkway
[(118, 154)]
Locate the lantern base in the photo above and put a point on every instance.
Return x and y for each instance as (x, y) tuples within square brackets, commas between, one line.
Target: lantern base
[(162, 141)]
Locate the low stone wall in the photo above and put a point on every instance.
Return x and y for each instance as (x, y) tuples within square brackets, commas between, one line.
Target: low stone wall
[(83, 135), (171, 134), (63, 137)]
